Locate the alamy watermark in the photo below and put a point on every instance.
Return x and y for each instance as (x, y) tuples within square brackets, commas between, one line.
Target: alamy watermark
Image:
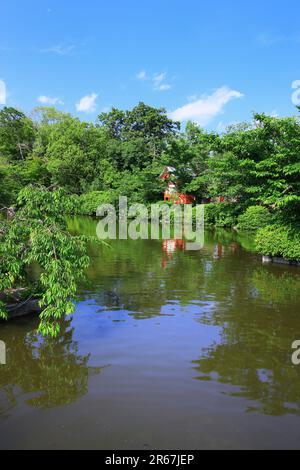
[(151, 223), (296, 354), (2, 353), (296, 93)]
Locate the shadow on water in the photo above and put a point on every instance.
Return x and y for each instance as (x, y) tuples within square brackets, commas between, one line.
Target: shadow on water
[(46, 373)]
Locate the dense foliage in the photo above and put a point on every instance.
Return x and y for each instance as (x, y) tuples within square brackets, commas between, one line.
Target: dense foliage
[(254, 167), (279, 241), (254, 218), (222, 215), (37, 235), (124, 153)]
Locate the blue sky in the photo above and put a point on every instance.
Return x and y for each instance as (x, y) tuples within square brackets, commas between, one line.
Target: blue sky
[(214, 62)]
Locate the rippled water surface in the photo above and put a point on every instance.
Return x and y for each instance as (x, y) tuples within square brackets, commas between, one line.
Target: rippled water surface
[(168, 349)]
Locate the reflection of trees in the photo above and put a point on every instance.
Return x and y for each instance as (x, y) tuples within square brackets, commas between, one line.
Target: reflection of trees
[(52, 371), (130, 275), (269, 380), (278, 288), (255, 307), (255, 348)]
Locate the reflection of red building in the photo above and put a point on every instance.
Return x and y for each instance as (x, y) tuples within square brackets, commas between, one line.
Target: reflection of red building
[(219, 251), (172, 193), (169, 248)]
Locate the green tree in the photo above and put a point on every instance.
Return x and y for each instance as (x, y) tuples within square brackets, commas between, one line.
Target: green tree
[(259, 165), (38, 235), (189, 153), (143, 133), (152, 124), (73, 153), (17, 134), (113, 122)]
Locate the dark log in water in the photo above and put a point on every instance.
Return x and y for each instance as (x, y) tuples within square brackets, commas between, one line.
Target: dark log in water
[(21, 309), (17, 306)]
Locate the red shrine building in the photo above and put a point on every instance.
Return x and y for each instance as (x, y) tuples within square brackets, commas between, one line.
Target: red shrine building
[(172, 193)]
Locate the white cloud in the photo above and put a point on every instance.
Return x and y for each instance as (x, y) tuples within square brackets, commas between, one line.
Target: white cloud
[(204, 110), (141, 75), (2, 92), (59, 49), (50, 101), (158, 78), (87, 104), (164, 87), (158, 82)]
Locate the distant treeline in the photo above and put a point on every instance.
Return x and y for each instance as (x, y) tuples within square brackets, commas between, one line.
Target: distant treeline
[(255, 166)]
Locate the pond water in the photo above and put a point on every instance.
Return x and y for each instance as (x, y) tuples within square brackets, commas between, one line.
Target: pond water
[(168, 349)]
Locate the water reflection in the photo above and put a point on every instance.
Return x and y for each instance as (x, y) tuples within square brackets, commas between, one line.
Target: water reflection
[(256, 309), (271, 382), (169, 248), (195, 339), (46, 373), (254, 351)]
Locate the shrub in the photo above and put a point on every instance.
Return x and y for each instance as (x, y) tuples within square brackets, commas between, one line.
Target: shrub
[(89, 202), (210, 214), (221, 215), (254, 218), (279, 241)]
